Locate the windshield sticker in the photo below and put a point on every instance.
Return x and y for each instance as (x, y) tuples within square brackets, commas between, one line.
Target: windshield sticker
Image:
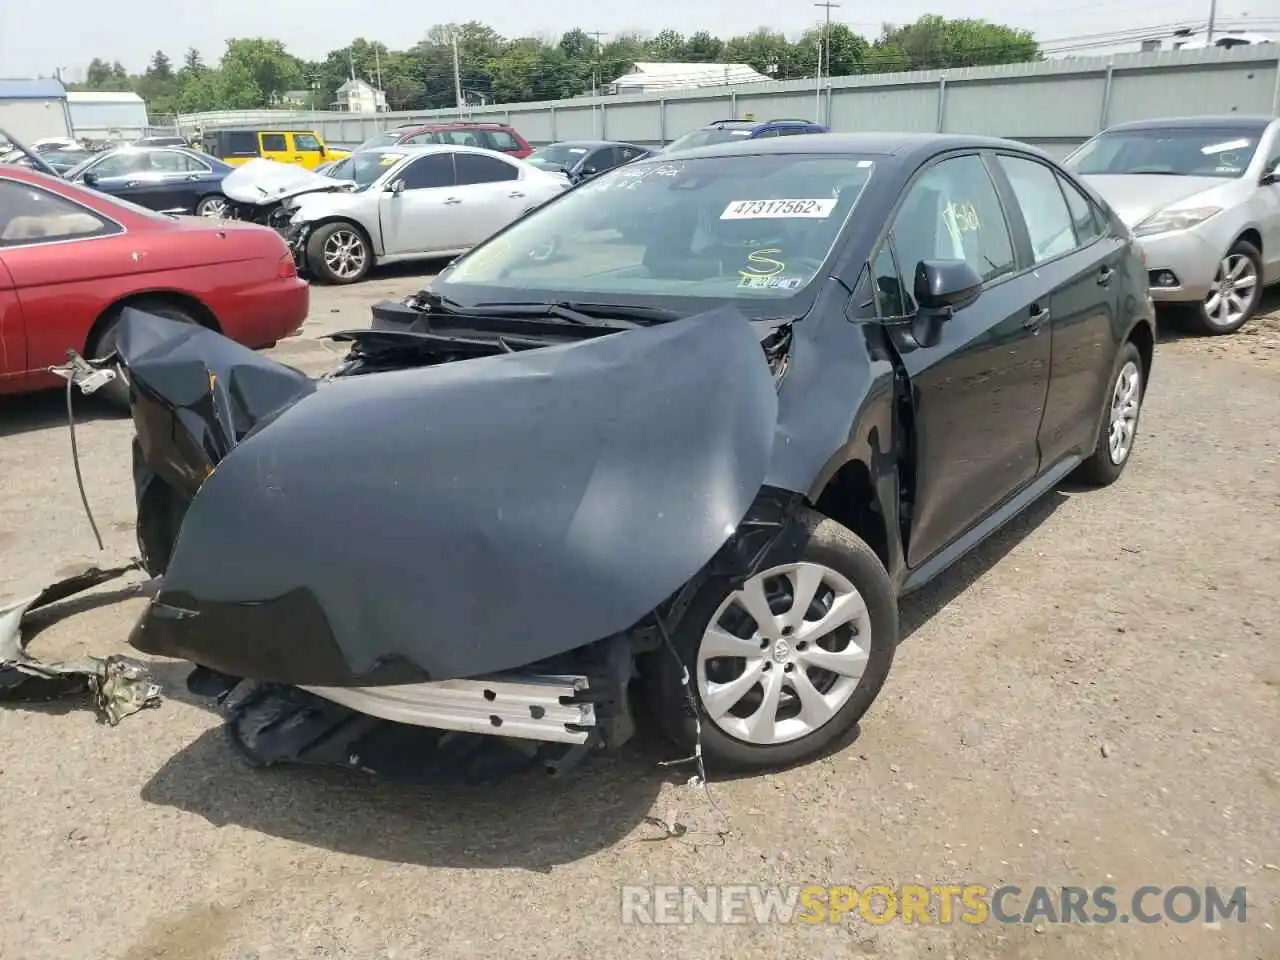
[(779, 209), (1221, 147), (760, 267), (388, 159), (577, 150), (741, 133), (755, 282)]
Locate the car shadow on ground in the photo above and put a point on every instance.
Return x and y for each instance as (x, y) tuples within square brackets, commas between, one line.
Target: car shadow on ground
[(29, 412), (530, 821)]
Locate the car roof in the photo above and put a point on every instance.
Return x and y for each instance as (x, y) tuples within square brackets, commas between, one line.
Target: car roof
[(595, 143), (466, 124), (414, 149), (1233, 121), (900, 146)]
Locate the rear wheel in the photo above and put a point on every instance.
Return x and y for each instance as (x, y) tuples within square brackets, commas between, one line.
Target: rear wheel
[(339, 253), (116, 393), (1125, 391), (214, 205), (787, 663), (1237, 289)]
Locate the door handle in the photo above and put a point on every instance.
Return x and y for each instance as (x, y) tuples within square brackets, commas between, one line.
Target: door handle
[(1037, 318), (1105, 275), (298, 156), (131, 183), (451, 201), (515, 194)]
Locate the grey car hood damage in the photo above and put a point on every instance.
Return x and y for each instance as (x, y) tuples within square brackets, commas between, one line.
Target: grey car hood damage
[(459, 519)]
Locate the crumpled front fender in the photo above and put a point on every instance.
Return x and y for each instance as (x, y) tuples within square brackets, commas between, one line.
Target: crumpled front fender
[(462, 519)]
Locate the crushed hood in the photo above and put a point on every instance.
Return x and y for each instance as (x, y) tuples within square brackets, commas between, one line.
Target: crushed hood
[(262, 181), (452, 520)]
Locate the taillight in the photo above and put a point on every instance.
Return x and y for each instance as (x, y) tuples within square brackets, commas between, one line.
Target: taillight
[(286, 269)]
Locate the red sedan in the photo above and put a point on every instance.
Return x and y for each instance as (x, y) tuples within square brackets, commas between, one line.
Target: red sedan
[(72, 258)]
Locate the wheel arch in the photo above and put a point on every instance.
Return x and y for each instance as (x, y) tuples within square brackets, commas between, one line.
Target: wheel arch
[(849, 497), (1251, 236), (1143, 337), (176, 298)]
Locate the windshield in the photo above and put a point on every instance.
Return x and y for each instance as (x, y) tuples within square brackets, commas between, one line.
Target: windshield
[(704, 138), (557, 155), (363, 168), (738, 228), (1186, 152), (390, 138)]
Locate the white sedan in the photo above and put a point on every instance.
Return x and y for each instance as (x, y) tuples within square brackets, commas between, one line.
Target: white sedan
[(411, 202)]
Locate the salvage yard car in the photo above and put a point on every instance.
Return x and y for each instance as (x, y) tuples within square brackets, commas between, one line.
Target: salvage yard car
[(71, 259), (1202, 195), (168, 179), (703, 459), (408, 203)]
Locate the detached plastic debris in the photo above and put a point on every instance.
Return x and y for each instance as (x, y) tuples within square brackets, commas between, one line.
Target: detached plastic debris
[(119, 687)]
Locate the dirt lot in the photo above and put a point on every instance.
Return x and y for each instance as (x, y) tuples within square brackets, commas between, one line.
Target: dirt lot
[(1092, 699)]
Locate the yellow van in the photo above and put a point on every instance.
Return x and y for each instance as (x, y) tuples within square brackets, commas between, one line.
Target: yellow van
[(237, 145)]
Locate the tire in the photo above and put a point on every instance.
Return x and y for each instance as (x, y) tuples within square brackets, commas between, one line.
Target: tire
[(1104, 466), (116, 393), (214, 205), (824, 548), (1242, 265), (323, 247)]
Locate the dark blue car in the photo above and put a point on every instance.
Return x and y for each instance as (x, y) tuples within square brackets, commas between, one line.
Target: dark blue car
[(168, 179), (727, 131)]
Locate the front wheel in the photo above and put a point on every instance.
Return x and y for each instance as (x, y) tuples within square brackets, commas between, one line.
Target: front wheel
[(1236, 292), (787, 663), (339, 253)]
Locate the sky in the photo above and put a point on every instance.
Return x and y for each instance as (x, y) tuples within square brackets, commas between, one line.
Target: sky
[(38, 40)]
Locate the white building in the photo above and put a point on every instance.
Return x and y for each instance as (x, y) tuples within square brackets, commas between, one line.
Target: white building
[(34, 109), (99, 115), (647, 77), (356, 96)]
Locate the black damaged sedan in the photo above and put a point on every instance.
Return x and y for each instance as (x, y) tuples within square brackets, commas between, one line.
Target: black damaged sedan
[(678, 439)]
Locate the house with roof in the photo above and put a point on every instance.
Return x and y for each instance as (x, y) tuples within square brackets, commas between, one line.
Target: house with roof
[(34, 109), (357, 96), (649, 78)]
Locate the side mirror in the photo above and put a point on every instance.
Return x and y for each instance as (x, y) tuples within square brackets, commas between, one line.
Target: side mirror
[(944, 286), (1269, 178), (396, 187), (589, 171), (324, 152), (90, 179)]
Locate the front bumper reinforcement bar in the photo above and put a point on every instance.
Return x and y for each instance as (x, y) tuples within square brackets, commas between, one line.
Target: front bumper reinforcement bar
[(547, 708)]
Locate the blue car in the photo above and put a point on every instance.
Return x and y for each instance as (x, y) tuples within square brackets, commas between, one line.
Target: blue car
[(167, 179), (727, 131)]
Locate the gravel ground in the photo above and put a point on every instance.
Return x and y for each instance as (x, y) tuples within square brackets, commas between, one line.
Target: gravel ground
[(1091, 699)]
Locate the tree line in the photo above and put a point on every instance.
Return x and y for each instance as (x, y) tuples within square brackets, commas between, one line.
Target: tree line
[(256, 72)]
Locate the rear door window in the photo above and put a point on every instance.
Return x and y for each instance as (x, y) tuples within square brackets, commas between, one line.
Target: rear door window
[(274, 143), (1084, 217), (1044, 208), (241, 143)]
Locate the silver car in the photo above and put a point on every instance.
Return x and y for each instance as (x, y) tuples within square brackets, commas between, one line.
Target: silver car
[(1202, 196), (411, 202)]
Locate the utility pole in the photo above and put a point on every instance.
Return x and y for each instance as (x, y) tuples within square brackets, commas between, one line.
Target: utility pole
[(596, 81), (377, 67), (824, 42), (457, 76), (1213, 16)]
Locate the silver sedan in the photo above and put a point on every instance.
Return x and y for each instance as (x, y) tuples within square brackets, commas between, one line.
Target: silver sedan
[(1202, 196), (412, 202)]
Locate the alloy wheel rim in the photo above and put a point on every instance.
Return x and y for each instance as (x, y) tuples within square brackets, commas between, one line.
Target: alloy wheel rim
[(344, 254), (214, 207), (1125, 399), (1234, 288), (783, 654)]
